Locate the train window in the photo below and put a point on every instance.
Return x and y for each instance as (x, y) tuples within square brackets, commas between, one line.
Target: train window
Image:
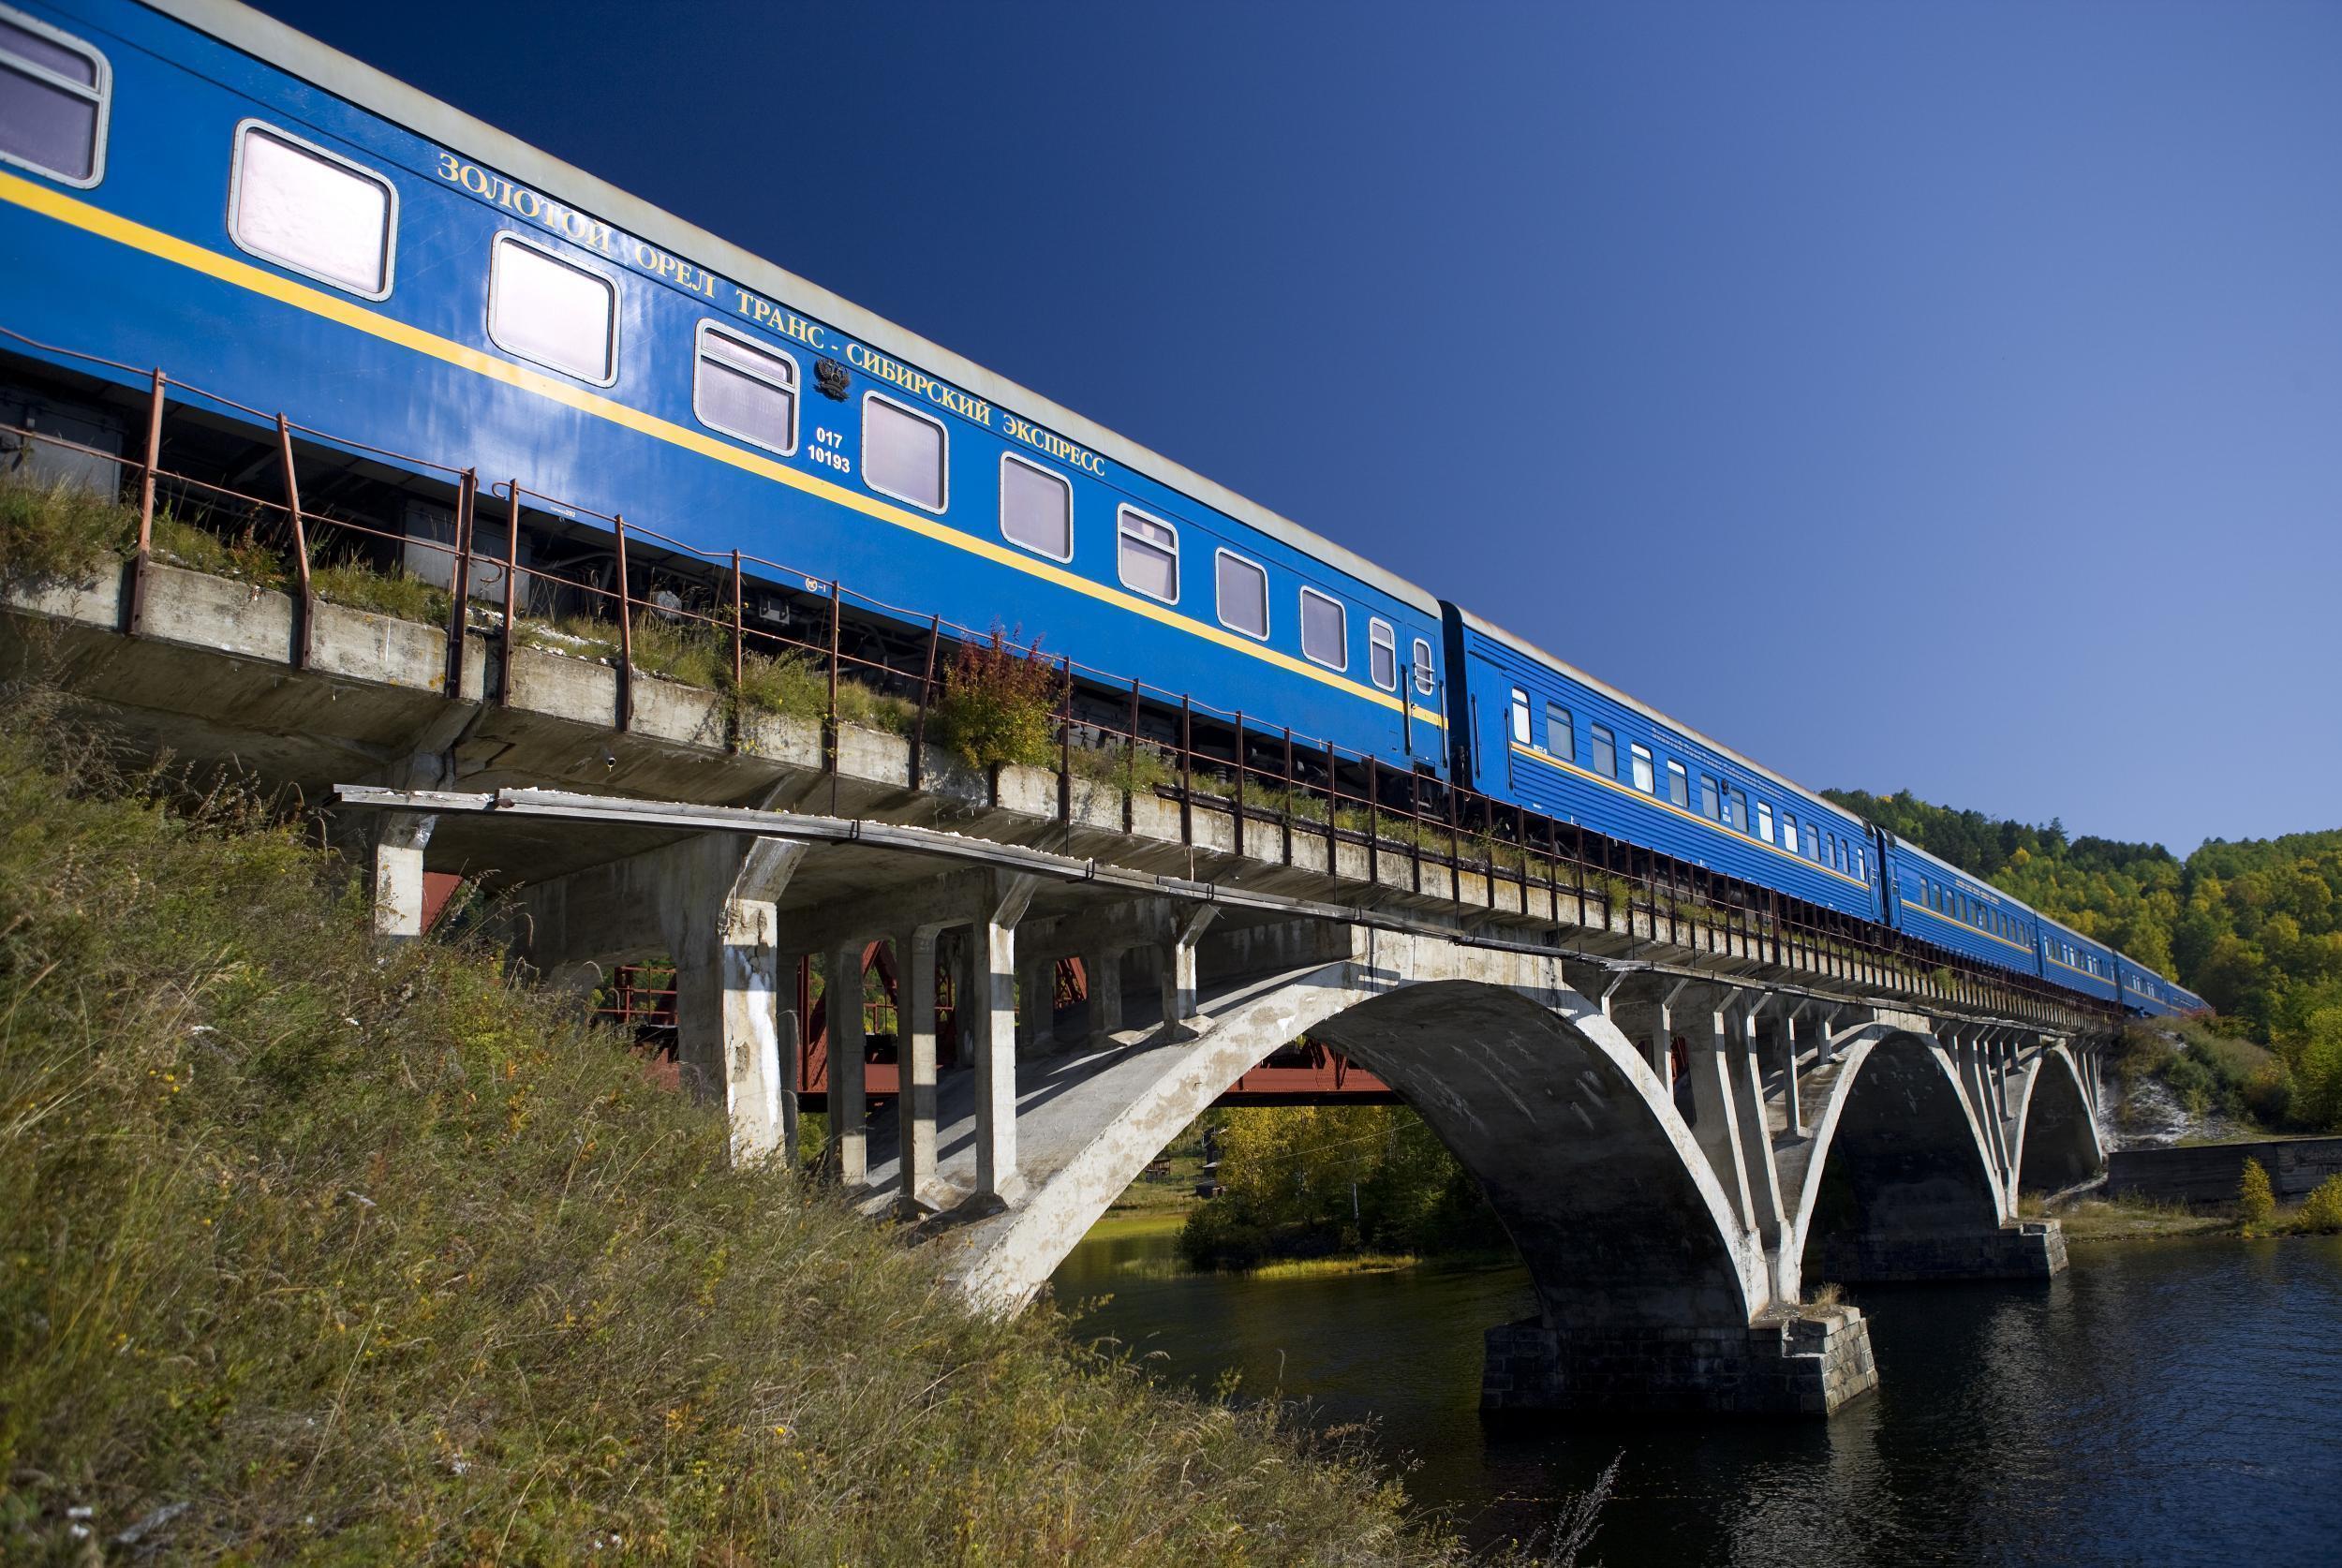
[(1244, 590), (1560, 732), (1735, 810), (1604, 752), (315, 212), (1036, 508), (1861, 864), (1639, 758), (1521, 717), (1424, 680), (1679, 784), (1147, 555), (1788, 832), (1325, 629), (53, 92), (1764, 822), (905, 453), (744, 390), (1708, 805), (1382, 653), (553, 311)]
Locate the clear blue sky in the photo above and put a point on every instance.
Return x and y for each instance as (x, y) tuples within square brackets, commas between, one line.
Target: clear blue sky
[(1940, 397)]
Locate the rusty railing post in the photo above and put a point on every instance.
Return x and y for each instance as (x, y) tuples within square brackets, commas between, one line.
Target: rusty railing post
[(927, 689), (304, 600), (837, 645), (1130, 766), (739, 659), (625, 637), (134, 613), (466, 519), (1187, 770), (512, 575), (1238, 818)]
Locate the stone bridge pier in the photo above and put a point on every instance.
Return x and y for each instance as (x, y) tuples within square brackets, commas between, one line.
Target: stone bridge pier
[(1678, 1154)]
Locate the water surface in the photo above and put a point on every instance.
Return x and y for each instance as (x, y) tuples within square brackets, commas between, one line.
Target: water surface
[(2171, 1402)]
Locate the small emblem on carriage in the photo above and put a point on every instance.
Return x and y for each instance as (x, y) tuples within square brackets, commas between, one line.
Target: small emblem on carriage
[(830, 377)]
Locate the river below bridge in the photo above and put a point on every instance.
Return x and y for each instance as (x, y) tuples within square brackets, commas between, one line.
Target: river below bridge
[(2168, 1402)]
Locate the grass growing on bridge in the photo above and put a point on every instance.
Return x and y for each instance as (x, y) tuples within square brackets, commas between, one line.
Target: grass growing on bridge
[(310, 1250)]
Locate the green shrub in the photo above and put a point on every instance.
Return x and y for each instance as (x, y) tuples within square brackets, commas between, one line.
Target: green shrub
[(59, 533), (1131, 769), (399, 595), (2255, 1201), (363, 1255), (999, 705), (243, 557), (2322, 1215)]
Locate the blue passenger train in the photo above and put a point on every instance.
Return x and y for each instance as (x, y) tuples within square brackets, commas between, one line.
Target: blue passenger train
[(187, 182)]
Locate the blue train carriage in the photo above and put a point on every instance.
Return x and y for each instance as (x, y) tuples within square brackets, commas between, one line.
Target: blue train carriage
[(194, 186), (2070, 959), (2149, 994), (1533, 731), (1936, 901)]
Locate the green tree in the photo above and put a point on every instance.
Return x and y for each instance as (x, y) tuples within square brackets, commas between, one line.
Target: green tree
[(2254, 1199)]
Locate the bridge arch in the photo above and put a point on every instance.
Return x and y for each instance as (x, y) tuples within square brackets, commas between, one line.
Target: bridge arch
[(1901, 1168), (1582, 1154), (2057, 1141)]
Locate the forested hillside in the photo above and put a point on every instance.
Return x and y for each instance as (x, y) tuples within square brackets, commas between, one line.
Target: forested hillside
[(2254, 927)]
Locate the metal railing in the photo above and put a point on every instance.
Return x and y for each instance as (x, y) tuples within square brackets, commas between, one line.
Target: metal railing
[(1269, 783)]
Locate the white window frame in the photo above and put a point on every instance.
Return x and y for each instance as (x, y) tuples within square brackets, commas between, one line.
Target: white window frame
[(1789, 832), (1268, 618), (1569, 732), (496, 252), (244, 128), (1517, 724), (1679, 774), (1047, 473), (1764, 821), (1597, 736), (1425, 678), (1339, 608), (100, 92), (708, 328), (1380, 634), (1121, 516), (1641, 768), (942, 457)]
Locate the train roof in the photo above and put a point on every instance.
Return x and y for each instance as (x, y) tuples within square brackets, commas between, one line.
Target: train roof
[(1522, 646), (2091, 941), (1907, 847), (268, 39)]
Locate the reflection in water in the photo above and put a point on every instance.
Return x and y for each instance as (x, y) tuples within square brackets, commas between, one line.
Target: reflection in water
[(2179, 1402)]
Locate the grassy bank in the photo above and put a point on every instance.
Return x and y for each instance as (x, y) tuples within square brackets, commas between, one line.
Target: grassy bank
[(311, 1251)]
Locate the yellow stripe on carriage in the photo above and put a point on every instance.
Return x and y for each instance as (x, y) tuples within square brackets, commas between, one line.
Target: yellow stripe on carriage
[(1591, 776), (96, 220)]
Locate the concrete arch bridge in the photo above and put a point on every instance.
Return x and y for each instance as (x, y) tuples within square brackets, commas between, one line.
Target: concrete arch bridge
[(1676, 1148)]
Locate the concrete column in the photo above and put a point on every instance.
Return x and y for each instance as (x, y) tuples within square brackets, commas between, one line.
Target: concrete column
[(399, 838), (741, 965), (1661, 1048), (1764, 1179), (1036, 996), (993, 1015), (914, 1053), (1715, 1121), (1179, 964), (1102, 971), (849, 1105)]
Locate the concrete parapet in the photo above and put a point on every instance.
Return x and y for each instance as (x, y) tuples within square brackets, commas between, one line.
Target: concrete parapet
[(2029, 1250), (1803, 1364)]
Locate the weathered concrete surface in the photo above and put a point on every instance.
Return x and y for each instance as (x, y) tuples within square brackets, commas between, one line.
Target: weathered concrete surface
[(1808, 1362), (210, 675), (1667, 1221), (2209, 1172)]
